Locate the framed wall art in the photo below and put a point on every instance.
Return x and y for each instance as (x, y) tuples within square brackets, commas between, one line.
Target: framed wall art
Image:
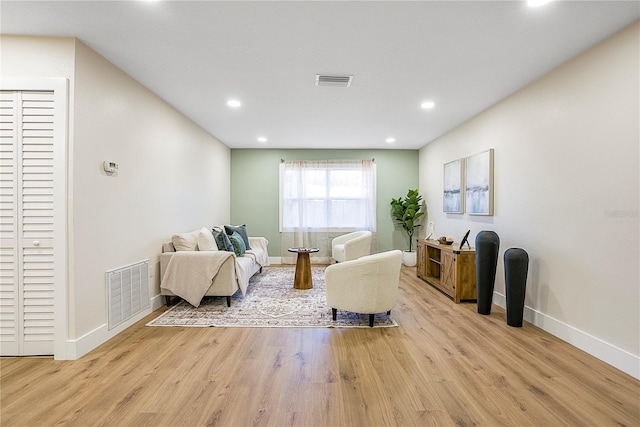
[(479, 183), (452, 201)]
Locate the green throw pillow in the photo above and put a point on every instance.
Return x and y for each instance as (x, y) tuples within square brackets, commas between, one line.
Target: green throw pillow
[(238, 244), (222, 240), (241, 230)]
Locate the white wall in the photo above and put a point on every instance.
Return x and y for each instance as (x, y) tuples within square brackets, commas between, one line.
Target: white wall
[(567, 191), (173, 176)]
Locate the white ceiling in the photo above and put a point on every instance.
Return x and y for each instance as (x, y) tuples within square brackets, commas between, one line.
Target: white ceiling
[(463, 55)]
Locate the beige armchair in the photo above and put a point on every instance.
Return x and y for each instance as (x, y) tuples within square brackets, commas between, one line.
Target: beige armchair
[(351, 246), (367, 285)]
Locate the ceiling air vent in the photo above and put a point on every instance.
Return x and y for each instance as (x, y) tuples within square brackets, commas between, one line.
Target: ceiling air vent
[(335, 81)]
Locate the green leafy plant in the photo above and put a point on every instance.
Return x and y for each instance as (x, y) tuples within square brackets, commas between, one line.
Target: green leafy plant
[(406, 211)]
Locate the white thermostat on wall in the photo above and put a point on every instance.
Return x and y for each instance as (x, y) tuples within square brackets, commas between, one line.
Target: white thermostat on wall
[(110, 167)]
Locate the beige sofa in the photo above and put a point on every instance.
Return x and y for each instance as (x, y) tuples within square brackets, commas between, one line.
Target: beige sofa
[(220, 272)]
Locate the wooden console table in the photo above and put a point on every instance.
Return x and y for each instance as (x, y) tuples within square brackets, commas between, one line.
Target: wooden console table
[(448, 268)]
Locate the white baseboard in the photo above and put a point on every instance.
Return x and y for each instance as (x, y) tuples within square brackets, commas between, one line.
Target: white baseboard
[(614, 356), (156, 302), (75, 349)]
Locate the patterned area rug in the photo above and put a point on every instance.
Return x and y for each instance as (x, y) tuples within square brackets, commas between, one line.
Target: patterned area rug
[(270, 302)]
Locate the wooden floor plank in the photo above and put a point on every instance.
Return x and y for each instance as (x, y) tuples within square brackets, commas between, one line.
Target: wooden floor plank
[(445, 365)]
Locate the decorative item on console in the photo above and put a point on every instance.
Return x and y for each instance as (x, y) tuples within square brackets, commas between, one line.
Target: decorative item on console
[(465, 239), (430, 228), (446, 240)]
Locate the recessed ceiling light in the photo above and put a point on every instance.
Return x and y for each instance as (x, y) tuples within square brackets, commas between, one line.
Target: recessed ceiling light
[(426, 105), (262, 139), (234, 103), (391, 140), (536, 3)]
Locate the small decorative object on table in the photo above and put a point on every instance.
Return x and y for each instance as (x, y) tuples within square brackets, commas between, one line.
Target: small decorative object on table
[(431, 227), (465, 239), (446, 240)]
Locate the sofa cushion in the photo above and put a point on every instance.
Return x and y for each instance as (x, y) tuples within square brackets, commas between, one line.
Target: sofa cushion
[(238, 244), (185, 241), (241, 230), (206, 242), (222, 240)]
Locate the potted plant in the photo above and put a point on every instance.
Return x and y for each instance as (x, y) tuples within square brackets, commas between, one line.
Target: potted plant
[(406, 211)]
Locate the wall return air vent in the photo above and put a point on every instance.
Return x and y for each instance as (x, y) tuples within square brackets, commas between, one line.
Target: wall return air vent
[(333, 80)]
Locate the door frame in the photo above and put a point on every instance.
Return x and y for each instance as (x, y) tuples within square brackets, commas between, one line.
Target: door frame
[(60, 88)]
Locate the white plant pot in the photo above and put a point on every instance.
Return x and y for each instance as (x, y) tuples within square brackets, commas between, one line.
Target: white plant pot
[(409, 258)]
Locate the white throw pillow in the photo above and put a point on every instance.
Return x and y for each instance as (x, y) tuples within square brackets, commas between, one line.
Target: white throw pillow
[(206, 242), (185, 241)]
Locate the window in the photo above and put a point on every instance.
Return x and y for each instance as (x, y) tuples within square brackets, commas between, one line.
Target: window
[(327, 195)]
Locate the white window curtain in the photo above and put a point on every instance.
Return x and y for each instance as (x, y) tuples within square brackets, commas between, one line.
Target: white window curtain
[(320, 200)]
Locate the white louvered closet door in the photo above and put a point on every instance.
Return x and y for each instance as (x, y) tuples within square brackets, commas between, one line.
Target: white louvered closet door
[(26, 233)]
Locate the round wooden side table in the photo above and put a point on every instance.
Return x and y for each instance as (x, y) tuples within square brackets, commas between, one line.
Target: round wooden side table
[(303, 268)]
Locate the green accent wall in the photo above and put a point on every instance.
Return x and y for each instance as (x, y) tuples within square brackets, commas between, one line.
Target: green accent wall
[(255, 188)]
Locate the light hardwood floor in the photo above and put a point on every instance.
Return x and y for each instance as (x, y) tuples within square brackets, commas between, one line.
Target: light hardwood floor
[(445, 365)]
